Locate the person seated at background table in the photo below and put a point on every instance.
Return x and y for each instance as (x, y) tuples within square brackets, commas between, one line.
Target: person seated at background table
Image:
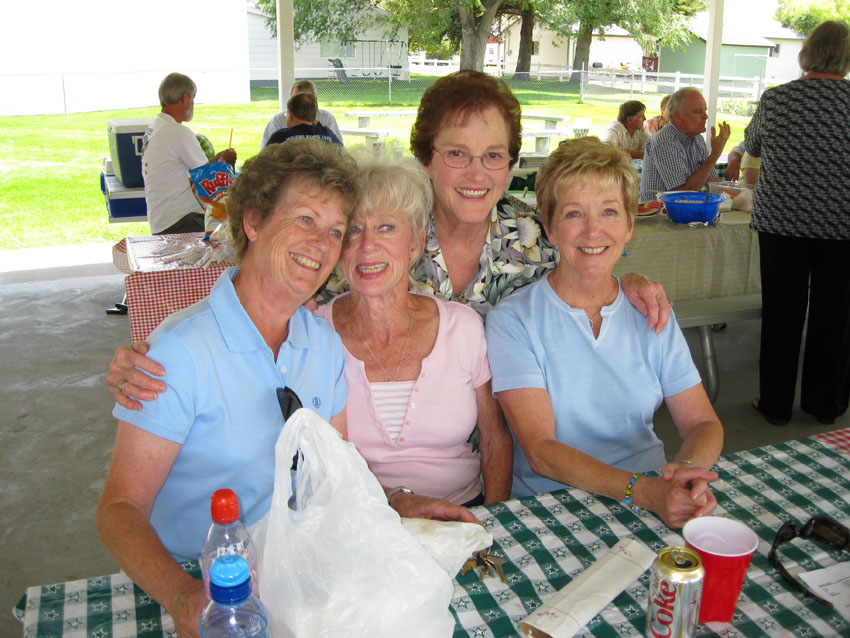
[(576, 371), (479, 247), (169, 151), (741, 164), (656, 123), (218, 422), (416, 365), (628, 132), (676, 158), (301, 121), (278, 121)]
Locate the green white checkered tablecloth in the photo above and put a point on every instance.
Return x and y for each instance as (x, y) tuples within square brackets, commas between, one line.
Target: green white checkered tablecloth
[(546, 541)]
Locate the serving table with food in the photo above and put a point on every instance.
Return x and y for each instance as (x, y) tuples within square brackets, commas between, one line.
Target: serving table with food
[(547, 540), (166, 273)]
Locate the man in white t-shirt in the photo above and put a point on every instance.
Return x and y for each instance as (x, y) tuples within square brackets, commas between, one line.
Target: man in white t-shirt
[(278, 121), (169, 151)]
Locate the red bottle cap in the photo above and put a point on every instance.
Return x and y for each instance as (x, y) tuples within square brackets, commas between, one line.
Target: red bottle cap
[(224, 507)]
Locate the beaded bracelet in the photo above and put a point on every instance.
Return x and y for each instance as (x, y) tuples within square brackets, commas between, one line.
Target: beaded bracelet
[(628, 499)]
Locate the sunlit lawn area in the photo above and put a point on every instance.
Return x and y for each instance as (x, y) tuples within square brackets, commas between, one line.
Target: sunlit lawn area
[(50, 165)]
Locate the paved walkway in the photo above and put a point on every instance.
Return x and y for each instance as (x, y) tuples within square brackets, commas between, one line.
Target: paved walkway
[(56, 262)]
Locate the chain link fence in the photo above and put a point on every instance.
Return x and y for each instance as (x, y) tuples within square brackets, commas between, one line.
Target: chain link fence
[(388, 86)]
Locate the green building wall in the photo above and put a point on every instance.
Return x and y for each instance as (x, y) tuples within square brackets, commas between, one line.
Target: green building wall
[(735, 60)]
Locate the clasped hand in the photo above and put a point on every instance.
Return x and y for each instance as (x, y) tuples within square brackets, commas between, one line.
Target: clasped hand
[(685, 493)]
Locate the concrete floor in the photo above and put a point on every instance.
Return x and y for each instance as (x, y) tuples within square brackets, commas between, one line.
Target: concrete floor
[(56, 428)]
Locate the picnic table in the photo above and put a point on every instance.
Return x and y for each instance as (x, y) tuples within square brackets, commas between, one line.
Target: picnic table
[(364, 118), (157, 287), (550, 122), (547, 540), (372, 136)]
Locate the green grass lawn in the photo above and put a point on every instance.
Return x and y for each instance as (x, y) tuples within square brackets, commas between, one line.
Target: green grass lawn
[(50, 164)]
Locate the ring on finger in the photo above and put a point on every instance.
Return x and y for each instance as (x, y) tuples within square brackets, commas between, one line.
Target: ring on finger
[(121, 385)]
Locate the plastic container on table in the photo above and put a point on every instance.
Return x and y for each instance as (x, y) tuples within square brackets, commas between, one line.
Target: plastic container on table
[(125, 147), (233, 612), (688, 207)]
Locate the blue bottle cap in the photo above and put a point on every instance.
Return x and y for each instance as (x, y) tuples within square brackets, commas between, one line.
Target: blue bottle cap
[(230, 579)]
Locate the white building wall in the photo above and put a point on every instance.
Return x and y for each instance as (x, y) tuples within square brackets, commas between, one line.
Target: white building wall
[(558, 52), (784, 67), (109, 54), (370, 51)]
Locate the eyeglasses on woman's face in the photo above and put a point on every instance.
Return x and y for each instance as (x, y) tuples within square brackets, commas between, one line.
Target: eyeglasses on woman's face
[(459, 158), (817, 528)]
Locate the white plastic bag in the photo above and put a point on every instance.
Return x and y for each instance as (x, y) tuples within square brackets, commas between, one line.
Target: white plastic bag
[(340, 563)]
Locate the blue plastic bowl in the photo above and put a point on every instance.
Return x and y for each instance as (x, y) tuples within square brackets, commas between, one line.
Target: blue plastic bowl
[(686, 207)]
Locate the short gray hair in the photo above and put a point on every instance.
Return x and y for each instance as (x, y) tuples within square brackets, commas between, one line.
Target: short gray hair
[(174, 86), (679, 98), (302, 86), (827, 49), (395, 184)]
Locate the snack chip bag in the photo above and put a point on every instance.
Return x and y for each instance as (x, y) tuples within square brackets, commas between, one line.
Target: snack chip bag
[(211, 184)]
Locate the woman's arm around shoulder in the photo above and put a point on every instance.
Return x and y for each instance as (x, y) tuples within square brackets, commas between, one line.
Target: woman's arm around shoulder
[(131, 376)]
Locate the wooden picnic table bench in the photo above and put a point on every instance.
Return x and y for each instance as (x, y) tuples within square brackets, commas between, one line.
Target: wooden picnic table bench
[(364, 117)]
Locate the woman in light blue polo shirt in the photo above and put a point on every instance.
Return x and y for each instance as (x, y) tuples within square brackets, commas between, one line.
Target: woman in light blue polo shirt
[(217, 423), (578, 374)]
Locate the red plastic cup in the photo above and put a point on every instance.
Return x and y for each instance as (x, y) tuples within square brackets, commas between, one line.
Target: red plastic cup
[(726, 548)]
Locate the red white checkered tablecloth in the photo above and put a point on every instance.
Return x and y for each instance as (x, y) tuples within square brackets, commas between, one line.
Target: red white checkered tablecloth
[(838, 439), (157, 288)]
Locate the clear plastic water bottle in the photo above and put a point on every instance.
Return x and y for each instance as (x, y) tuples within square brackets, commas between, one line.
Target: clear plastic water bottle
[(227, 535), (233, 612)]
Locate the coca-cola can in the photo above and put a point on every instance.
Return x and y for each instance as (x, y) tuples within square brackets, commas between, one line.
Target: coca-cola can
[(675, 590)]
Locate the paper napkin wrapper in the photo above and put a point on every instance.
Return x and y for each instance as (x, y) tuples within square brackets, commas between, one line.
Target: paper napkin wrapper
[(571, 608)]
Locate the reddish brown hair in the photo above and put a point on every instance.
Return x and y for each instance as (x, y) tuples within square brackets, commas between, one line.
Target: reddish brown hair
[(455, 97)]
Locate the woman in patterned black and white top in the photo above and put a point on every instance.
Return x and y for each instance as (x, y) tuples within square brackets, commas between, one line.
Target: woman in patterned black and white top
[(801, 211)]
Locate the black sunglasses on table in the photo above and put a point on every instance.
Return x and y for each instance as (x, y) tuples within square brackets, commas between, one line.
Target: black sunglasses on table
[(817, 528)]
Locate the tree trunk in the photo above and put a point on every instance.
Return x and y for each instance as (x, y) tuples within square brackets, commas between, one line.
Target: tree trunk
[(475, 32), (526, 45), (582, 55)]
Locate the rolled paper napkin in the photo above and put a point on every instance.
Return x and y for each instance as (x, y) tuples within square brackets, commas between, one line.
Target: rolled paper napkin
[(571, 608)]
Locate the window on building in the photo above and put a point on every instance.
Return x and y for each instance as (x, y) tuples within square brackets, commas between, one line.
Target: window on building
[(535, 47), (774, 50), (337, 49)]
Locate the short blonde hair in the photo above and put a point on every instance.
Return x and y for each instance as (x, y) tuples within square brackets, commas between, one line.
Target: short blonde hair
[(586, 157), (827, 49), (265, 177), (388, 183)]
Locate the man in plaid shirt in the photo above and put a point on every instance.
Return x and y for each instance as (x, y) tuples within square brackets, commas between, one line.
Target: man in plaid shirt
[(676, 158)]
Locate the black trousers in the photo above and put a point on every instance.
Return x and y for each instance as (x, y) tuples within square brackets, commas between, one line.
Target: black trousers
[(797, 273), (189, 223)]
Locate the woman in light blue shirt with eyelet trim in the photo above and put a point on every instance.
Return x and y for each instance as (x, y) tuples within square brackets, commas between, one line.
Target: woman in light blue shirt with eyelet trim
[(577, 371)]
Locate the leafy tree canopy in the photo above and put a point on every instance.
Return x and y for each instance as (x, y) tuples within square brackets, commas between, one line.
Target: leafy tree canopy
[(325, 20), (804, 15)]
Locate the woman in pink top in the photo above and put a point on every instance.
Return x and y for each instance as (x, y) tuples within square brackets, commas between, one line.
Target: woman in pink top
[(416, 366)]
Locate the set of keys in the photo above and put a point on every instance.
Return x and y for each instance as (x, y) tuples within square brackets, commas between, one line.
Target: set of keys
[(487, 564)]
